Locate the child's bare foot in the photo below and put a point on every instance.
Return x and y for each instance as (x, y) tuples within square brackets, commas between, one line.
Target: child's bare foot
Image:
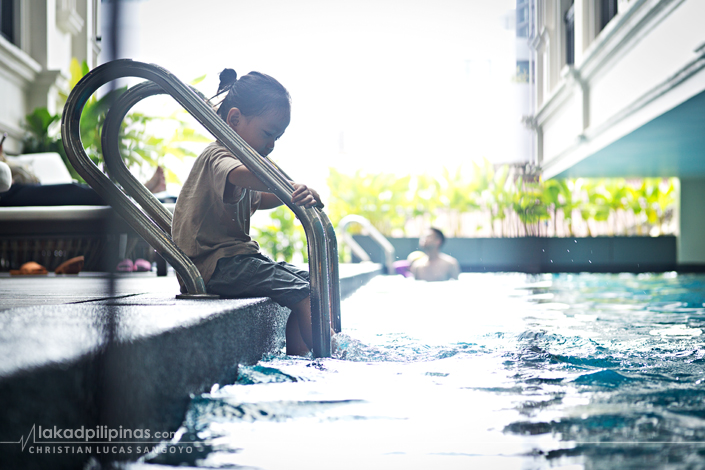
[(157, 183)]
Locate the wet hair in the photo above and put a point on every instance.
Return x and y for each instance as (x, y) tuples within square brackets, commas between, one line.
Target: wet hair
[(439, 234), (253, 94)]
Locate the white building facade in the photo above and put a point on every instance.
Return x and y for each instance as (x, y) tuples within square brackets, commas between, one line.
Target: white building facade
[(38, 39), (620, 91)]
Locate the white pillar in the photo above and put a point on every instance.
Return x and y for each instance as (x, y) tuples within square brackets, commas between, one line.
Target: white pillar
[(555, 45), (585, 27), (38, 24)]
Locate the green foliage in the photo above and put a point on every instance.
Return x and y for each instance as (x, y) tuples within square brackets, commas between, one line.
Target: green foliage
[(558, 196), (505, 203), (384, 199), (282, 237), (530, 206), (39, 125), (42, 135), (138, 146)]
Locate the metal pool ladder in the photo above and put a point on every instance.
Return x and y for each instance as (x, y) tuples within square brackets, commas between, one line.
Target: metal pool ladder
[(150, 219), (389, 252)]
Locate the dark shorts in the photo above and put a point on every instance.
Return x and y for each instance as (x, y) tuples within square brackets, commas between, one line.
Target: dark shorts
[(258, 276)]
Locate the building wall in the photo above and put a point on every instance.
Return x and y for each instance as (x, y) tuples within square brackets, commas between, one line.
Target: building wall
[(522, 87), (647, 62), (624, 75), (691, 243), (563, 126), (34, 63), (636, 73)]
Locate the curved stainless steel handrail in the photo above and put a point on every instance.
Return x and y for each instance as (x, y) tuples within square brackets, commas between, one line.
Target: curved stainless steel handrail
[(110, 144), (335, 274), (117, 169), (389, 251), (315, 225), (332, 247), (140, 222)]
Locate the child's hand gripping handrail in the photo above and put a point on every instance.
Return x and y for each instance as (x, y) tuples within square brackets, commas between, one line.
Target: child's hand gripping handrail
[(323, 266)]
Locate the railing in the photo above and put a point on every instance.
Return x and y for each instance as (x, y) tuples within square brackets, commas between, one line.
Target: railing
[(153, 222), (110, 143), (389, 252)]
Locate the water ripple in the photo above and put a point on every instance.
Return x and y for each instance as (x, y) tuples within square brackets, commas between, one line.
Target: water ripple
[(595, 371)]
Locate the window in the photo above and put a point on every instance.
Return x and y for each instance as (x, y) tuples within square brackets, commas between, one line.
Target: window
[(522, 71), (523, 18), (7, 20), (608, 10), (569, 19)]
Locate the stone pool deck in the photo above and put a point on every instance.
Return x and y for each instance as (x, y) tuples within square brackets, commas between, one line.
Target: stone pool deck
[(77, 352)]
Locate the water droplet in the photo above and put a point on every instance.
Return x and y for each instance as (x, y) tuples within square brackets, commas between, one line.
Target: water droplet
[(568, 251), (589, 261), (551, 261), (576, 241)]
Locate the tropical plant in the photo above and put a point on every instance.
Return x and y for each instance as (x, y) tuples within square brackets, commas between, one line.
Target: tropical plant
[(598, 207), (458, 196), (530, 206), (386, 200), (658, 196), (41, 135), (138, 146), (509, 204), (282, 238), (557, 196), (496, 194)]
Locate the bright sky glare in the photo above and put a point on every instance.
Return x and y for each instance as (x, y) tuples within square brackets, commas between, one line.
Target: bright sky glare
[(405, 86)]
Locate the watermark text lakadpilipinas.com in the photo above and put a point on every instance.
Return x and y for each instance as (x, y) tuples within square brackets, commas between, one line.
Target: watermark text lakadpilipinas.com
[(97, 440)]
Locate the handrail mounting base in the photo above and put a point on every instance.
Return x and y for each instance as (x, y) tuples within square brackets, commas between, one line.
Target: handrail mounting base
[(197, 296)]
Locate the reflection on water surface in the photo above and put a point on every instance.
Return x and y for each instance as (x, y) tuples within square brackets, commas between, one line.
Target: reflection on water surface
[(492, 371)]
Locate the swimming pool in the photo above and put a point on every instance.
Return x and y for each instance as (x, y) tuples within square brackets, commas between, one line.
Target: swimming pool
[(494, 371)]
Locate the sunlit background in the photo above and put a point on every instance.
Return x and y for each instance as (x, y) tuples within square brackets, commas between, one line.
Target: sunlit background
[(395, 86), (557, 364)]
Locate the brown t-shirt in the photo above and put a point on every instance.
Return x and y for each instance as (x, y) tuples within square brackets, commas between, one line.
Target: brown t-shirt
[(212, 217)]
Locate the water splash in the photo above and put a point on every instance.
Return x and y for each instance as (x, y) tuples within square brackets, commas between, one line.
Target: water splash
[(521, 371)]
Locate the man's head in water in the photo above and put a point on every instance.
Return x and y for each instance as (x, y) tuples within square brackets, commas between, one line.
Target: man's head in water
[(432, 240)]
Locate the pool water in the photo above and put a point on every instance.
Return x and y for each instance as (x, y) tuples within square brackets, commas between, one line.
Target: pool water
[(494, 371)]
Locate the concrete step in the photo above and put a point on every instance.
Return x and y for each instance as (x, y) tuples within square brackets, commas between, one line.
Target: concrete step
[(77, 353)]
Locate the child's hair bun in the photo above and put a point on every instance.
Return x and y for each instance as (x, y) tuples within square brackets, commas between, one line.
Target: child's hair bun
[(227, 78)]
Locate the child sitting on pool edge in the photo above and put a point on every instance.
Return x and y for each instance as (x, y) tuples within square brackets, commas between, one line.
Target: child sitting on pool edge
[(212, 216)]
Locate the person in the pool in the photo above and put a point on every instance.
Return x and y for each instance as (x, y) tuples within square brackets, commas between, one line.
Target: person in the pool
[(434, 265)]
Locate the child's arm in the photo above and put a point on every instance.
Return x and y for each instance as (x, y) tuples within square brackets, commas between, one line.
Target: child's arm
[(269, 201), (302, 196)]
